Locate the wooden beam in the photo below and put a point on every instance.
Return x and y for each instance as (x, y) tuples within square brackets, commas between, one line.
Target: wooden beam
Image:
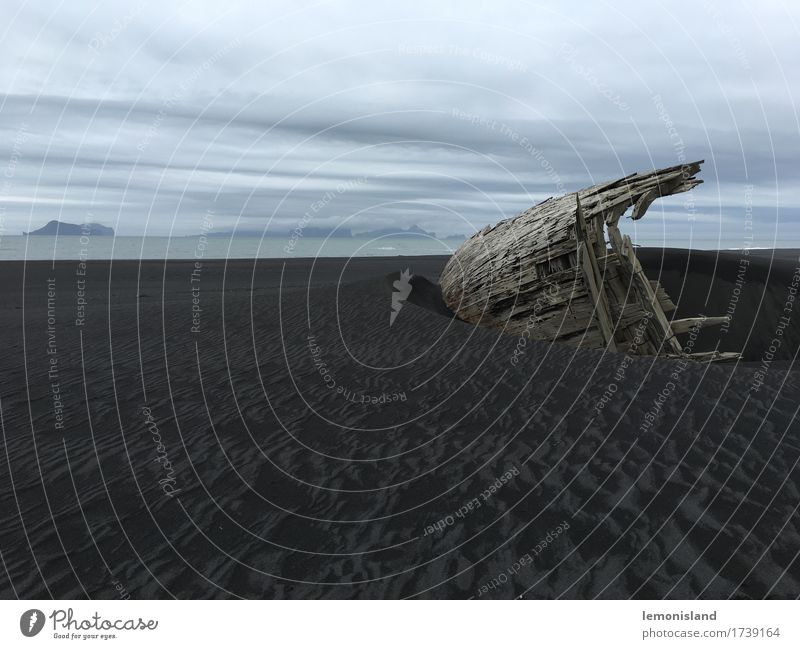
[(593, 278), (685, 324), (715, 356), (643, 203), (648, 292)]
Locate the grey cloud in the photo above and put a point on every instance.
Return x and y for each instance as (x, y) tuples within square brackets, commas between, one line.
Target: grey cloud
[(147, 114)]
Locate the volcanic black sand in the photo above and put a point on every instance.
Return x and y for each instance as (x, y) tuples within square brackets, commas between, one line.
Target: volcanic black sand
[(294, 444)]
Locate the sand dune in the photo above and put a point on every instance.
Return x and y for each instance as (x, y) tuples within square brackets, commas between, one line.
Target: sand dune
[(297, 445)]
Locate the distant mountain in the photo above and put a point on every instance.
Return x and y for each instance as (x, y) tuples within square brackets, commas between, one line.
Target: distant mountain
[(309, 232), (72, 229), (227, 234), (414, 230), (321, 233)]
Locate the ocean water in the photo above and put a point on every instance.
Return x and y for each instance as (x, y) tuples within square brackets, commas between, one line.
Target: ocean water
[(119, 248)]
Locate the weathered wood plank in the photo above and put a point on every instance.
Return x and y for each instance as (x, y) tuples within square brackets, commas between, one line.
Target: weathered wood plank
[(685, 324), (592, 276)]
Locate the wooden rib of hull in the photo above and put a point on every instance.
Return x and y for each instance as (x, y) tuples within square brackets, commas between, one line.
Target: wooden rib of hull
[(563, 272)]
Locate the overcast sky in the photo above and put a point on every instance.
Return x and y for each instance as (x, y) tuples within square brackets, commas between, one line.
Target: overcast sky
[(148, 116)]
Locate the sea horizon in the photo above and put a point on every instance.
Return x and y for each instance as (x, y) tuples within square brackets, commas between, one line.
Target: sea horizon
[(120, 247), (131, 247)]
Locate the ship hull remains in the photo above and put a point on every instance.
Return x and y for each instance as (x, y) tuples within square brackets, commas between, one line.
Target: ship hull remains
[(563, 272)]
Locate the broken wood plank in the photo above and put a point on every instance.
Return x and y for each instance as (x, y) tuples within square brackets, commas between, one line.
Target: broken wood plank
[(685, 324)]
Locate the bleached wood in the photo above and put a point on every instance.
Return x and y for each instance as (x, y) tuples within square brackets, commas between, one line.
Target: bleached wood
[(591, 273), (550, 271), (685, 324)]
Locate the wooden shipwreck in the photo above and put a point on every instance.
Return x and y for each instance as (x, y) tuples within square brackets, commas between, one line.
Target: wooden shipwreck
[(563, 272)]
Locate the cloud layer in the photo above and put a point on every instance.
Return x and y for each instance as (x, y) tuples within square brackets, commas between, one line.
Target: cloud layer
[(145, 117)]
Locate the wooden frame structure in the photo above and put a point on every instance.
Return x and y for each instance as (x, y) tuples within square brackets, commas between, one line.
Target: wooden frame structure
[(563, 272)]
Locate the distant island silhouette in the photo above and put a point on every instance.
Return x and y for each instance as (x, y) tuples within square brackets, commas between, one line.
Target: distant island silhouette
[(334, 233), (55, 228)]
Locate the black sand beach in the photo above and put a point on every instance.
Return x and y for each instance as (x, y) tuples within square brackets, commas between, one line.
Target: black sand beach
[(263, 432)]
